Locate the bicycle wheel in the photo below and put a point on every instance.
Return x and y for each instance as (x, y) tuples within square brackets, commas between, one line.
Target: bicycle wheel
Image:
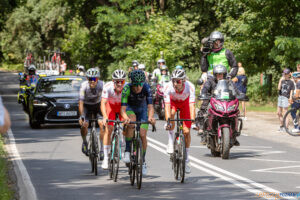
[(182, 158), (175, 159), (139, 163), (132, 163), (116, 157), (111, 157), (289, 122), (91, 155), (95, 153)]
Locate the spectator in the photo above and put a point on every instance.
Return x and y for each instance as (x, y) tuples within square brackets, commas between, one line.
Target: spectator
[(285, 87), (241, 84), (4, 119), (63, 67)]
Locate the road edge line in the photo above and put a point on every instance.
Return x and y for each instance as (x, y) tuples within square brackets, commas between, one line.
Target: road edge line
[(25, 186)]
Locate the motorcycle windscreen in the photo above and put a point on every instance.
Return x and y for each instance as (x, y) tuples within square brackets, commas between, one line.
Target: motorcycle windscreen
[(224, 90)]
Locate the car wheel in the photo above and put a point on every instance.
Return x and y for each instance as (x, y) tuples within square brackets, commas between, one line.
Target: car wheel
[(33, 123)]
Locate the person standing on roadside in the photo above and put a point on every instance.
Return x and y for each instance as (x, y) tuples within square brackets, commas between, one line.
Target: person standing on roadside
[(286, 88), (4, 119), (241, 84), (63, 67)]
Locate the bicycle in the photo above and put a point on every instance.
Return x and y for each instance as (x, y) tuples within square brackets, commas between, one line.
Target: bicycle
[(136, 155), (178, 157), (115, 154), (93, 147), (289, 123)]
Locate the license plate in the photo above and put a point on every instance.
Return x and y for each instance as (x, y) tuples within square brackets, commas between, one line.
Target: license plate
[(66, 113)]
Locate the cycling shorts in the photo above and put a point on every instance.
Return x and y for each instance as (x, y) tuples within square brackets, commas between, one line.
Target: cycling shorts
[(92, 109), (184, 108), (141, 113), (112, 110)]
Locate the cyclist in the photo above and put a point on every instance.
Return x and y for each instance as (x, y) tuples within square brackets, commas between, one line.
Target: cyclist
[(219, 73), (143, 67), (296, 103), (180, 94), (157, 71), (110, 106), (137, 106), (89, 102), (80, 70)]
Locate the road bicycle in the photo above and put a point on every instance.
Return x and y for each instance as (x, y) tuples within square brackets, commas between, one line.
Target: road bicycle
[(115, 154), (178, 157), (289, 123), (136, 155)]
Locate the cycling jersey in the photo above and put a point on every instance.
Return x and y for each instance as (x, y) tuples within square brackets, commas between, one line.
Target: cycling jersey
[(90, 95), (171, 95), (133, 99), (113, 105)]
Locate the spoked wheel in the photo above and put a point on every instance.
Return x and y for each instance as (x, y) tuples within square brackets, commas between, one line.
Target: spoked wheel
[(132, 164), (94, 152), (139, 164), (175, 160), (289, 122), (91, 157), (182, 158), (110, 164), (95, 165), (225, 143), (116, 157)]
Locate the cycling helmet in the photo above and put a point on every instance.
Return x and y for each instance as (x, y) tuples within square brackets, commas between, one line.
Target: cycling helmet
[(178, 67), (178, 74), (135, 63), (141, 67), (80, 68), (137, 76), (220, 69), (164, 67), (118, 74), (31, 68), (93, 73), (161, 61)]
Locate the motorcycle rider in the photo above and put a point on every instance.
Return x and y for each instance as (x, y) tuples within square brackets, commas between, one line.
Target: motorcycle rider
[(217, 55), (143, 67), (163, 77), (219, 73), (157, 71)]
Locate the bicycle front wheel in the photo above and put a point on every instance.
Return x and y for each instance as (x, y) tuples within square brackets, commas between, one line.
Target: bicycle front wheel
[(116, 157), (182, 158), (289, 123), (132, 164), (175, 159), (95, 153), (139, 163)]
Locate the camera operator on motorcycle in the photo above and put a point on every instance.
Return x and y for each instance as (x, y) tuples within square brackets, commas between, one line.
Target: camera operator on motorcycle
[(163, 77), (157, 71), (142, 67), (214, 54), (219, 73)]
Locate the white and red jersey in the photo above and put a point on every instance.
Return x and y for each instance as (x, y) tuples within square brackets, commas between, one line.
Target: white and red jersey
[(188, 92), (111, 95)]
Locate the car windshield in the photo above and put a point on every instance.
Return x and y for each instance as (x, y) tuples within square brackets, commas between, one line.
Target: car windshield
[(224, 91), (60, 85)]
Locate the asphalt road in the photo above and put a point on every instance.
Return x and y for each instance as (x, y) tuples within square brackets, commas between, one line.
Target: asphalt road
[(58, 170)]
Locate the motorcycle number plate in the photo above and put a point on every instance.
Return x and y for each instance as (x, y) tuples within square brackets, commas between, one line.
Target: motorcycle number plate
[(66, 113)]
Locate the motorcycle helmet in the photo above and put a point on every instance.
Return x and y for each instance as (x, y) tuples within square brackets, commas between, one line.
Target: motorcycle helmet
[(220, 69)]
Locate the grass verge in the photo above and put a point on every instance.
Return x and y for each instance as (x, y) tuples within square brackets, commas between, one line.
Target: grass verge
[(6, 191), (12, 67)]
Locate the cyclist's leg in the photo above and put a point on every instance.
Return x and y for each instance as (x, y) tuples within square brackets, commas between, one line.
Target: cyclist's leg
[(142, 116), (129, 128), (84, 130), (108, 130), (185, 114)]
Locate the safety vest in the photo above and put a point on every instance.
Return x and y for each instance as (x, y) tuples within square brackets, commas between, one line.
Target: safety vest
[(217, 58)]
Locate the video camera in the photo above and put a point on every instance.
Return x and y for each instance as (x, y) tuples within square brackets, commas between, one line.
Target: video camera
[(207, 45)]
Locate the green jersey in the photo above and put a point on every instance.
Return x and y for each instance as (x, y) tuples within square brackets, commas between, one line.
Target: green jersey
[(217, 58)]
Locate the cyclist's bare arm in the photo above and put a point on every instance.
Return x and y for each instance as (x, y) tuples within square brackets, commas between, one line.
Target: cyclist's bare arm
[(81, 108), (151, 113), (124, 114), (103, 109), (192, 111), (167, 111)]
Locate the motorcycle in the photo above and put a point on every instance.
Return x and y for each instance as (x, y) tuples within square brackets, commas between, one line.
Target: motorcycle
[(222, 124), (159, 104)]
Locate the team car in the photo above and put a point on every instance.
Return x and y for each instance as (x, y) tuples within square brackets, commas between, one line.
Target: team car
[(55, 100)]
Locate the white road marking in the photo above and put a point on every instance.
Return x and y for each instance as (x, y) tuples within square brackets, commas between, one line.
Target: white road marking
[(271, 170), (231, 177), (27, 191), (199, 147), (268, 160), (261, 147)]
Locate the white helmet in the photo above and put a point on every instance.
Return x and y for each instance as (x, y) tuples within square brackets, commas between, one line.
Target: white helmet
[(80, 67), (93, 73), (178, 74), (141, 67), (118, 74)]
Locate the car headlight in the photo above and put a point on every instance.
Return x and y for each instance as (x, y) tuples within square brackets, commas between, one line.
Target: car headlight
[(37, 102), (231, 108), (219, 107)]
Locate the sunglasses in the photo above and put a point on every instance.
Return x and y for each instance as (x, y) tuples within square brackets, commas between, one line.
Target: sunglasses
[(95, 79), (119, 81), (177, 81), (138, 84)]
